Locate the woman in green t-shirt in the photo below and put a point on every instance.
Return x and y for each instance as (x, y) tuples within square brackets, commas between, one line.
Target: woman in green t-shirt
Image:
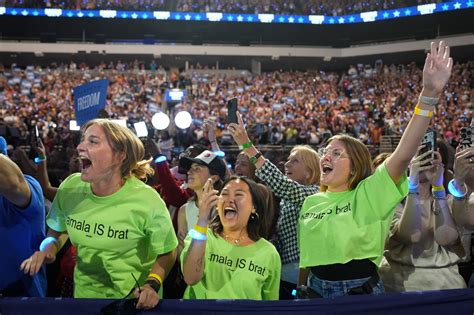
[(120, 225), (231, 260), (342, 229)]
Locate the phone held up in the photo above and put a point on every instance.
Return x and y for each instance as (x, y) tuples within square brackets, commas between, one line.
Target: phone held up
[(467, 138), (232, 111), (429, 144)]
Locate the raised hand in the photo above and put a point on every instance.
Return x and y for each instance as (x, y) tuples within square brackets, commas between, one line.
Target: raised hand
[(437, 170), (208, 202), (209, 128), (437, 69), (238, 131), (463, 163), (418, 165)]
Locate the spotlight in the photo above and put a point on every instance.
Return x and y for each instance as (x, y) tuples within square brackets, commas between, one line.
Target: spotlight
[(160, 121), (183, 120)]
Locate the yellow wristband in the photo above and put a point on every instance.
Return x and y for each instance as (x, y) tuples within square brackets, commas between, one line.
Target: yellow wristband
[(156, 277), (437, 188), (200, 229), (423, 112)]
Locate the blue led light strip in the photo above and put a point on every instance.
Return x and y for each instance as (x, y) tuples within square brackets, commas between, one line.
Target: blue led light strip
[(363, 17)]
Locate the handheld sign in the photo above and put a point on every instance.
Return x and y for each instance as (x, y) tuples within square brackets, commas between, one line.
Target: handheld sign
[(89, 99)]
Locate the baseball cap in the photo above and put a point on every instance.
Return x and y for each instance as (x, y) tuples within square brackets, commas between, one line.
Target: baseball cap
[(207, 158)]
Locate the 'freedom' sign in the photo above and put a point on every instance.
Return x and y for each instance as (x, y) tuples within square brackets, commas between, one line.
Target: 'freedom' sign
[(89, 99)]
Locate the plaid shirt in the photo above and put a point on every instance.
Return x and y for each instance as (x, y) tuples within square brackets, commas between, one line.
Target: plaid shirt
[(292, 197)]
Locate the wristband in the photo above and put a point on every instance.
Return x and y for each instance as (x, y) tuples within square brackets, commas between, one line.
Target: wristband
[(438, 194), (412, 188), (39, 159), (200, 229), (246, 145), (423, 112), (156, 278), (47, 241), (437, 188), (198, 236), (431, 101), (456, 193), (160, 158), (254, 159), (219, 153), (155, 285)]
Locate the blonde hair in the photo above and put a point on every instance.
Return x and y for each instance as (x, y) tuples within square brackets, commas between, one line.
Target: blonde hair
[(359, 156), (123, 140), (310, 159)]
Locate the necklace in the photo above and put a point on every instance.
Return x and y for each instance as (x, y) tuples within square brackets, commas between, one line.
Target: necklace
[(235, 241)]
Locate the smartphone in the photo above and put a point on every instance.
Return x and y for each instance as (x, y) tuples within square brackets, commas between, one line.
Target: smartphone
[(38, 141), (141, 129), (467, 138), (429, 142), (232, 111)]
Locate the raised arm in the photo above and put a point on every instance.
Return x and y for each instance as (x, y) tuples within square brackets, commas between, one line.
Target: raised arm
[(43, 177), (463, 210), (279, 183), (436, 72), (445, 230), (414, 220), (14, 186), (193, 262)]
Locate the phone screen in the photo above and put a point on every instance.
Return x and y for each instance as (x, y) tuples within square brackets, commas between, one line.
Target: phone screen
[(232, 111), (429, 142), (141, 129), (466, 137)]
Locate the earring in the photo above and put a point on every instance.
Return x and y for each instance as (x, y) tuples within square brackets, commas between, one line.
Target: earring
[(254, 216)]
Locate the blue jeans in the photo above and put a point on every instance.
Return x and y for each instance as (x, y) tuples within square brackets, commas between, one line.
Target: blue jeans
[(330, 289)]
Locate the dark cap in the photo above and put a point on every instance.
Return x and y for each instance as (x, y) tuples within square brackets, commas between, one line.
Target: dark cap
[(207, 158)]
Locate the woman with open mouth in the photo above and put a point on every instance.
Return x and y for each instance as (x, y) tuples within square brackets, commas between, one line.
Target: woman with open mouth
[(230, 259), (300, 180), (342, 229), (120, 226)]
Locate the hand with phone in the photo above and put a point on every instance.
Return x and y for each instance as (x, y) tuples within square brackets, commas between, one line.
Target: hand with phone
[(232, 111), (238, 132), (208, 202), (463, 164), (419, 164)]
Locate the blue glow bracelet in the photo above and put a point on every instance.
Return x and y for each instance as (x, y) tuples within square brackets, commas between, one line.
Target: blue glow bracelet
[(456, 193), (220, 154), (198, 236), (439, 194), (45, 243), (160, 159), (412, 187)]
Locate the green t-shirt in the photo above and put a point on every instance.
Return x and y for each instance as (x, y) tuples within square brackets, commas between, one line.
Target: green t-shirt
[(236, 272), (115, 236), (342, 226)]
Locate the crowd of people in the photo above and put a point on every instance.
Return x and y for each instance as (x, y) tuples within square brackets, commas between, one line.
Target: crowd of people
[(312, 7), (144, 225)]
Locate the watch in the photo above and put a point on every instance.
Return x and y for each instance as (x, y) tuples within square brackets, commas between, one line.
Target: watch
[(154, 284), (254, 159)]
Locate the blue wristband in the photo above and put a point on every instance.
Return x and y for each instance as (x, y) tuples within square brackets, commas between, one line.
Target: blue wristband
[(47, 241), (439, 194), (198, 236), (412, 188), (160, 159), (456, 193)]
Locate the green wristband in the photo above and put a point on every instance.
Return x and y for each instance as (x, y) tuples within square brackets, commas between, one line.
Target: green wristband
[(246, 145)]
